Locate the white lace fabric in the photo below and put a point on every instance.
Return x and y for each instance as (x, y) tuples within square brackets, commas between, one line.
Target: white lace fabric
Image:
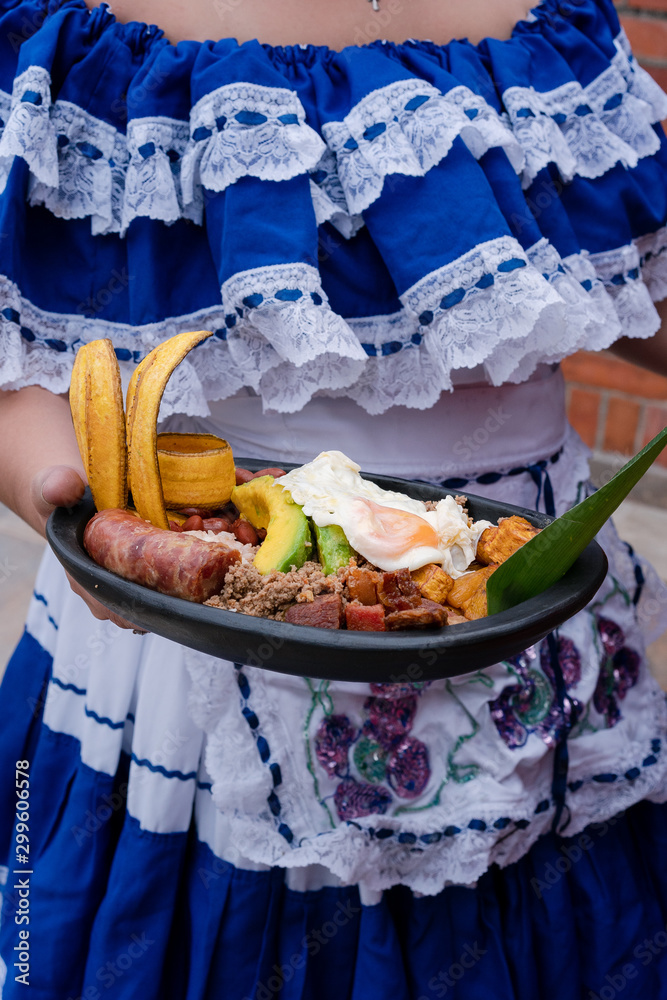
[(247, 130), (407, 128), (276, 334)]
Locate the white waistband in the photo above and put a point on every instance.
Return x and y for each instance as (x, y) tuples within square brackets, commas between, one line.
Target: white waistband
[(472, 430)]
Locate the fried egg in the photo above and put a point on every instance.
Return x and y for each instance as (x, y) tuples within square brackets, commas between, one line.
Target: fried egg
[(389, 529)]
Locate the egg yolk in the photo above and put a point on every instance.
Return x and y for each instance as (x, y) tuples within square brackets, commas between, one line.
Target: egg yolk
[(399, 529)]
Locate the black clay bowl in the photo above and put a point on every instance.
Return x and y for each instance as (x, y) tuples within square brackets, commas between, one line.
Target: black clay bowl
[(336, 655)]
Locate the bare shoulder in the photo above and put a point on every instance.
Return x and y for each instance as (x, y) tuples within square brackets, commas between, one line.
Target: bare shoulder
[(335, 23)]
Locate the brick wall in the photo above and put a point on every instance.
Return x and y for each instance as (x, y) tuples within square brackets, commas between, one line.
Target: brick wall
[(616, 407), (645, 22)]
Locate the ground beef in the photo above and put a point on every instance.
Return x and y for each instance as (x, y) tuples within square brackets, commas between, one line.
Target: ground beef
[(269, 596)]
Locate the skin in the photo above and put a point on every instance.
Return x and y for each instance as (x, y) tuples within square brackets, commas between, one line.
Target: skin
[(322, 22), (38, 451)]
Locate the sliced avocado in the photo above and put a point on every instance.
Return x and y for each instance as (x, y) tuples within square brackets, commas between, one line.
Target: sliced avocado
[(288, 540), (333, 547)]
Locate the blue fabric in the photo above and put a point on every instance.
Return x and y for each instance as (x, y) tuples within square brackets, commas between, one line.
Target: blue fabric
[(122, 73), (123, 912)]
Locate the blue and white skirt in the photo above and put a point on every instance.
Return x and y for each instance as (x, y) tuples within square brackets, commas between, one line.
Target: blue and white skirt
[(199, 828)]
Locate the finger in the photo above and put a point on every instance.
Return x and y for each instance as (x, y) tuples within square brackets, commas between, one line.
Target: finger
[(57, 486), (99, 611)]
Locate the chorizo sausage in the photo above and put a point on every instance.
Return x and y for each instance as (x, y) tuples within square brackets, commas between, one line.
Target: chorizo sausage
[(174, 563)]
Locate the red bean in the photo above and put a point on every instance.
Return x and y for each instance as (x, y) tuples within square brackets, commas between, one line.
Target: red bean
[(245, 532), (243, 476), (193, 523), (276, 473), (202, 512), (261, 533), (174, 526), (217, 524)]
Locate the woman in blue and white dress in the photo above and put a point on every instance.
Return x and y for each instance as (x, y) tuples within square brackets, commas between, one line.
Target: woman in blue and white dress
[(394, 243)]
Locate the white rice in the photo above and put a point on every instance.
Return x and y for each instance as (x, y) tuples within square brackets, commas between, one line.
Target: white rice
[(248, 552)]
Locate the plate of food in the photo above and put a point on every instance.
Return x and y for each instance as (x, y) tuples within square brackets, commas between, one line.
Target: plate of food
[(317, 570), (457, 646)]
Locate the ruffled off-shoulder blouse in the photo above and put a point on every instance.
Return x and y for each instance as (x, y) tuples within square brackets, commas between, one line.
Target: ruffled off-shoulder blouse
[(370, 223)]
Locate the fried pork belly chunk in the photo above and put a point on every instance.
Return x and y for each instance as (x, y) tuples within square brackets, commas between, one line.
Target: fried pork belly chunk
[(427, 614), (468, 593), (362, 585), (433, 582), (365, 617), (398, 591), (498, 544), (322, 612)]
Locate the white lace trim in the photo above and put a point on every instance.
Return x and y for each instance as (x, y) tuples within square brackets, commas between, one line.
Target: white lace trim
[(563, 126), (652, 250), (640, 83), (285, 303), (5, 161), (472, 309), (622, 112), (308, 345), (152, 180), (407, 128), (81, 166), (244, 129), (285, 343), (29, 131), (621, 272), (89, 158), (329, 199)]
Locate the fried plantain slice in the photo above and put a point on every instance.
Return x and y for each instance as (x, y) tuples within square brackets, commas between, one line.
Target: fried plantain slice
[(78, 390), (196, 470), (144, 395), (96, 403)]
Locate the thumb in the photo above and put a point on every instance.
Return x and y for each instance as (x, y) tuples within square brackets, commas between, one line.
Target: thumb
[(56, 486)]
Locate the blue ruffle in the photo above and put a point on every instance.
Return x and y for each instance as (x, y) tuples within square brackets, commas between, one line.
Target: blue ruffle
[(115, 907), (308, 172)]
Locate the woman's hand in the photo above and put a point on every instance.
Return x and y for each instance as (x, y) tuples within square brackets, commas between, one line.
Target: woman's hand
[(55, 486), (42, 467), (62, 486)]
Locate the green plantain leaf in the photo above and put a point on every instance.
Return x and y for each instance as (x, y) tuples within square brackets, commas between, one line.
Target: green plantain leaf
[(543, 560)]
